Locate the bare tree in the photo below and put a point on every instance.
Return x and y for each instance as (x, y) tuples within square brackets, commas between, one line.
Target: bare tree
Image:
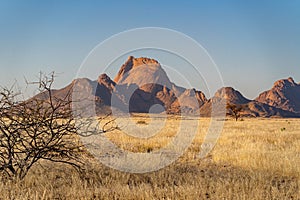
[(41, 128), (234, 110)]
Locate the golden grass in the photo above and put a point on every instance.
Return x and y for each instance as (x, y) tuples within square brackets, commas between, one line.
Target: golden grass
[(253, 159)]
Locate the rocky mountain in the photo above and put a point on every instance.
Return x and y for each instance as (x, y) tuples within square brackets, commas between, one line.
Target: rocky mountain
[(225, 95), (251, 108), (285, 94), (142, 85), (231, 95)]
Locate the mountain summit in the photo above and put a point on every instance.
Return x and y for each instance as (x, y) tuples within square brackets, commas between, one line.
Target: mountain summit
[(285, 94), (141, 71), (231, 95)]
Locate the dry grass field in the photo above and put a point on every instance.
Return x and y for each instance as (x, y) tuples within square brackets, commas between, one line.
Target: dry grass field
[(253, 159)]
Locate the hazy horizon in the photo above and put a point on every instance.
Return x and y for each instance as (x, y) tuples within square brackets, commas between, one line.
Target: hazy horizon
[(253, 43)]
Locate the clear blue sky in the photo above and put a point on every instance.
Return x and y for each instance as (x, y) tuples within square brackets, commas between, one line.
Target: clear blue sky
[(253, 43)]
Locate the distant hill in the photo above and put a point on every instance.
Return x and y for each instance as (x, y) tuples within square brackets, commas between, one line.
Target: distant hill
[(141, 84)]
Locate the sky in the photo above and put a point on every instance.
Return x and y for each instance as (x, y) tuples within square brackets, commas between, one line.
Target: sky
[(253, 43)]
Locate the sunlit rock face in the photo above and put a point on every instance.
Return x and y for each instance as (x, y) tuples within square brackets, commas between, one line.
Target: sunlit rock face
[(285, 94)]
